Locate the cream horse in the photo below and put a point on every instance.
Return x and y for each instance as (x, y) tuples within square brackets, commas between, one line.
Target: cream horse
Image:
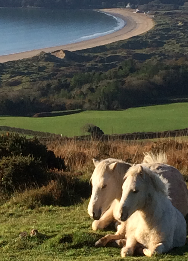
[(107, 181), (151, 219)]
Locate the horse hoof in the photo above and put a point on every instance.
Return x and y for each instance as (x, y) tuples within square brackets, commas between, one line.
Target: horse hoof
[(99, 243), (126, 252)]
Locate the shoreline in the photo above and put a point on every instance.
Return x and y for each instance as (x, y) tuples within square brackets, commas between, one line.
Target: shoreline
[(135, 24)]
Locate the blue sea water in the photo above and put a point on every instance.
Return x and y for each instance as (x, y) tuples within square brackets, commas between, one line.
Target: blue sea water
[(28, 29)]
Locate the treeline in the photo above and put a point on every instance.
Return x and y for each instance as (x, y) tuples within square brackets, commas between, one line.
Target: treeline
[(129, 84), (83, 3)]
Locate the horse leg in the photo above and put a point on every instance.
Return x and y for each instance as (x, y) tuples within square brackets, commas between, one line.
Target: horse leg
[(159, 249), (104, 221), (118, 243), (104, 240), (128, 250)]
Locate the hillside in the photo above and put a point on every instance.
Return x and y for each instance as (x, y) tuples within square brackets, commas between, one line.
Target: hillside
[(147, 69)]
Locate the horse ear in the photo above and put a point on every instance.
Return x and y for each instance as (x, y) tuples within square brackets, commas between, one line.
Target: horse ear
[(95, 162), (112, 165), (141, 171)]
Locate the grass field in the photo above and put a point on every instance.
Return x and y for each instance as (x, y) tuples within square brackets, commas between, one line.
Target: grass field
[(151, 118), (65, 235)]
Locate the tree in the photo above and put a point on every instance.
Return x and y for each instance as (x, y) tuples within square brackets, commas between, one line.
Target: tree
[(95, 131)]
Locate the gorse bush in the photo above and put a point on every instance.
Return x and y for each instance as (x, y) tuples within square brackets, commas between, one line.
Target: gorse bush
[(25, 163), (26, 170), (20, 172), (14, 145)]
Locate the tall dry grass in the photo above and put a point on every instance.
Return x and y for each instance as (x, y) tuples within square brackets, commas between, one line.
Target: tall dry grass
[(72, 185), (78, 154)]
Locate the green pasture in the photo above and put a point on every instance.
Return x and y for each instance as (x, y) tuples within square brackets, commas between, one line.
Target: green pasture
[(152, 118), (66, 235)]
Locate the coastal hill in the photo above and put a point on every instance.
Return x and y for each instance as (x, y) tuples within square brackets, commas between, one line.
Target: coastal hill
[(147, 69)]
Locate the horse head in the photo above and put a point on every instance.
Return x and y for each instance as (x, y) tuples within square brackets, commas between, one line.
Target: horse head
[(133, 192), (106, 181), (139, 187)]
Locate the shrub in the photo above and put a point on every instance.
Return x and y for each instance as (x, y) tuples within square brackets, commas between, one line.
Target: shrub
[(20, 172), (95, 131), (14, 145), (63, 190)]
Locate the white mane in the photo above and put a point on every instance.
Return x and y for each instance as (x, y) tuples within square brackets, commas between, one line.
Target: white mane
[(151, 158)]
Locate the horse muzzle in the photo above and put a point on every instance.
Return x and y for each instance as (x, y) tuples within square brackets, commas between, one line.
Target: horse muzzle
[(123, 214), (97, 214)]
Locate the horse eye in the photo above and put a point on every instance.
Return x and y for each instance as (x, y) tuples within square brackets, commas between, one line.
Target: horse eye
[(104, 186), (135, 191)]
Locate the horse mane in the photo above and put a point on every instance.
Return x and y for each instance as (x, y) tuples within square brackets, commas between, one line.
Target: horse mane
[(159, 183), (151, 158)]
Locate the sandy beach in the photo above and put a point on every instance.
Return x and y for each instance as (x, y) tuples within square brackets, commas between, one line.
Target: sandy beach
[(136, 23)]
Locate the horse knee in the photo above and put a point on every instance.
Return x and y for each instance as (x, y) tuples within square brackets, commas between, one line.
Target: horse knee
[(97, 225), (147, 252)]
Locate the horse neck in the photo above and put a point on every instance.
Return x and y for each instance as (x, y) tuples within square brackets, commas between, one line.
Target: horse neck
[(154, 204)]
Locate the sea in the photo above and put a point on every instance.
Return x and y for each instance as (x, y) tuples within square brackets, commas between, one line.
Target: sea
[(25, 29)]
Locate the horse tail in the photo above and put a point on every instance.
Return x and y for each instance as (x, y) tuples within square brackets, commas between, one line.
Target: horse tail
[(150, 157)]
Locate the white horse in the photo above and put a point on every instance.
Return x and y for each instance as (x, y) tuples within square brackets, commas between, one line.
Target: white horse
[(151, 219), (107, 181)]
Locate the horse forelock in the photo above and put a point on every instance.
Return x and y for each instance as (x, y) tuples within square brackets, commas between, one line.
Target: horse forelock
[(99, 170), (103, 165), (158, 182)]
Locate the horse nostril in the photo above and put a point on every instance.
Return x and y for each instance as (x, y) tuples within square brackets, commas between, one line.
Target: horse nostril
[(122, 217), (97, 216), (124, 214)]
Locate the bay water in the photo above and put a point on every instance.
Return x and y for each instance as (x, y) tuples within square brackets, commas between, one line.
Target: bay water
[(25, 29)]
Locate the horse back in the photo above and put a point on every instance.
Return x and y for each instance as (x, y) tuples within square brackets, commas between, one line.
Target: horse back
[(178, 192)]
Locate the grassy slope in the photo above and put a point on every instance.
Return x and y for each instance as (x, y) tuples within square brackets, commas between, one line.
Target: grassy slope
[(151, 118), (58, 225)]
